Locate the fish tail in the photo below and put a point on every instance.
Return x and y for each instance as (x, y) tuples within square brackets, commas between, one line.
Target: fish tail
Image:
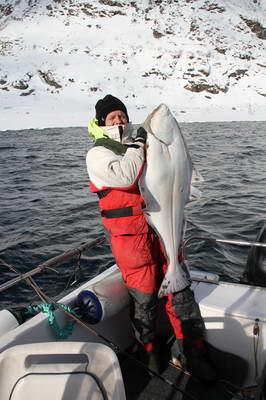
[(172, 283)]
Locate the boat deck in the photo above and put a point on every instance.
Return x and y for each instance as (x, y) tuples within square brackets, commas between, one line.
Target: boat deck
[(140, 386), (178, 385)]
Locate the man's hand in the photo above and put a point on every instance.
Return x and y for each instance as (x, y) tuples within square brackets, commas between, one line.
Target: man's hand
[(141, 135)]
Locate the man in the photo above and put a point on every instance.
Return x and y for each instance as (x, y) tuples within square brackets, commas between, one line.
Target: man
[(114, 165)]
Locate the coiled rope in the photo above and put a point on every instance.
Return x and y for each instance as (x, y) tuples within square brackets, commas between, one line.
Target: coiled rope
[(48, 308)]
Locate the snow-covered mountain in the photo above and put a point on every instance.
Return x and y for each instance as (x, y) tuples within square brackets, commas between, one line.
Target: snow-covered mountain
[(206, 59)]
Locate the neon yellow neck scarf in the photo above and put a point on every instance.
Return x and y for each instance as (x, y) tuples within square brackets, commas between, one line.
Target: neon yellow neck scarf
[(95, 130)]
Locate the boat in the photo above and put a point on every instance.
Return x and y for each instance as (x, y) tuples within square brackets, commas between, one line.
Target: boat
[(90, 356)]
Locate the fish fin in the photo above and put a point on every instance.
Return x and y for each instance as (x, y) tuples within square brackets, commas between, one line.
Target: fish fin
[(195, 194), (196, 176), (172, 283)]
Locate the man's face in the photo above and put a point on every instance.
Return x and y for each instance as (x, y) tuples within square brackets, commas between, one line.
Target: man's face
[(116, 118)]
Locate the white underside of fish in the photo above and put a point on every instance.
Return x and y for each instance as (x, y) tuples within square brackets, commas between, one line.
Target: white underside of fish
[(165, 187)]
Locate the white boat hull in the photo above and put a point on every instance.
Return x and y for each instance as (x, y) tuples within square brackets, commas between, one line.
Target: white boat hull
[(230, 312)]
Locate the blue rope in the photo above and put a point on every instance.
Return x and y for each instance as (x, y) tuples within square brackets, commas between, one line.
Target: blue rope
[(60, 333)]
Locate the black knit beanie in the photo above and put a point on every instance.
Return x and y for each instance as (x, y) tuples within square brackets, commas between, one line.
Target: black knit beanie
[(106, 105)]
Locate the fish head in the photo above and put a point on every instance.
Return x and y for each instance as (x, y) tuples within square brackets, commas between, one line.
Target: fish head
[(161, 124)]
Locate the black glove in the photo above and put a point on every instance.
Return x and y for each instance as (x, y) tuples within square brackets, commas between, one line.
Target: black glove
[(141, 135)]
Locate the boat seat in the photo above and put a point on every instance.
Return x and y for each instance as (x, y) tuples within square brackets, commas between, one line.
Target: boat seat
[(60, 371)]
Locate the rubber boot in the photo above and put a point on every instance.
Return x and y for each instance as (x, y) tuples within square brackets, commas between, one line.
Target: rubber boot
[(190, 355)]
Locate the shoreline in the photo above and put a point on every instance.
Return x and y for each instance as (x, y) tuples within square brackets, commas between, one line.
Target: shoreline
[(35, 118)]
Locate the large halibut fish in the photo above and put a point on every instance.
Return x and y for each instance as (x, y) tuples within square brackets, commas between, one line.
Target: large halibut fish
[(166, 188)]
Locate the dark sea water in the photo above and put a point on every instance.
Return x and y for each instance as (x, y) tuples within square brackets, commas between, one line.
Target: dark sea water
[(46, 206)]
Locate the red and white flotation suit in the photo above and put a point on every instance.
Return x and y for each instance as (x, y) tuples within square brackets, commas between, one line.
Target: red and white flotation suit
[(136, 248)]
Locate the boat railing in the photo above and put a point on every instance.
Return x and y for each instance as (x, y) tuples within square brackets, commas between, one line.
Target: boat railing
[(226, 241)]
